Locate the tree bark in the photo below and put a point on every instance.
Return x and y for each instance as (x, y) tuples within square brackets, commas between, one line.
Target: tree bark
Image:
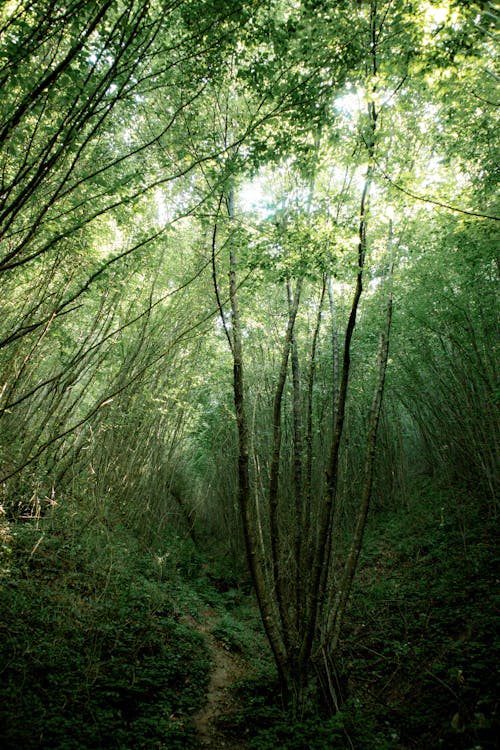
[(278, 564), (268, 612), (337, 615)]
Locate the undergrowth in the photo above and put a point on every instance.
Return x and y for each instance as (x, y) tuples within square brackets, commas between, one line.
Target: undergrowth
[(92, 650), (421, 648), (99, 649)]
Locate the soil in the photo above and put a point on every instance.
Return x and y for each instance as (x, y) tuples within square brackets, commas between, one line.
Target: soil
[(227, 669)]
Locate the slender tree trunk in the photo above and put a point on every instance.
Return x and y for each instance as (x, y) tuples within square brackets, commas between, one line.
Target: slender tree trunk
[(335, 352), (308, 530), (268, 612), (278, 563), (323, 552), (337, 615), (298, 460), (322, 556)]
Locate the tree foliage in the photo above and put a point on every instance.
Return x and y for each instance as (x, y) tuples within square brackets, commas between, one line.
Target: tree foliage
[(208, 212)]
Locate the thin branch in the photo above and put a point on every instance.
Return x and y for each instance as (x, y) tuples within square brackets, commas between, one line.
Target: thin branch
[(435, 202), (214, 276)]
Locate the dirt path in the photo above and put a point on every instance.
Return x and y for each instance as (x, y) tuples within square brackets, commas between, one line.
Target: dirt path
[(227, 668)]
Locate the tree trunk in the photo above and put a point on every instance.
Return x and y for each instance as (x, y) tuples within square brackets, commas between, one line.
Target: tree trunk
[(268, 611)]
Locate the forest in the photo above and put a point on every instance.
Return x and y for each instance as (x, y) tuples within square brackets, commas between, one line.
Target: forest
[(248, 374)]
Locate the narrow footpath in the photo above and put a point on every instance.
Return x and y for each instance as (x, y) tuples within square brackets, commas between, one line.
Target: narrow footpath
[(227, 669)]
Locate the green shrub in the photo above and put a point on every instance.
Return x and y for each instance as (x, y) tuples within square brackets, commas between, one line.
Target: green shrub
[(233, 634), (91, 653)]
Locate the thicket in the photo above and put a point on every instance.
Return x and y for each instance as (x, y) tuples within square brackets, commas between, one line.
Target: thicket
[(94, 651), (100, 648), (173, 357)]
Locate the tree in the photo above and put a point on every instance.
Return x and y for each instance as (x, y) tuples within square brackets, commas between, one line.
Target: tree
[(91, 128), (302, 611), (127, 131)]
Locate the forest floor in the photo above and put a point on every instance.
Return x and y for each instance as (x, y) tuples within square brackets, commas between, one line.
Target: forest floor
[(227, 668)]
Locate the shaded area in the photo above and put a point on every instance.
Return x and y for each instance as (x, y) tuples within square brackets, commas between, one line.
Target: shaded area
[(226, 669)]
